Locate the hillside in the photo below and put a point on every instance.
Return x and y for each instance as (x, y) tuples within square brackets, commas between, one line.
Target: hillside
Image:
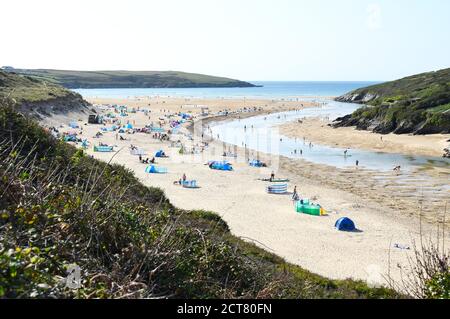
[(130, 79), (60, 207), (418, 104), (38, 98)]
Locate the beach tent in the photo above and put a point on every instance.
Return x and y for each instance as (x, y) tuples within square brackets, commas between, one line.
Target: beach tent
[(160, 154), (305, 207), (70, 138), (256, 163), (152, 169), (74, 125), (185, 116), (345, 224), (129, 126), (277, 189), (221, 166)]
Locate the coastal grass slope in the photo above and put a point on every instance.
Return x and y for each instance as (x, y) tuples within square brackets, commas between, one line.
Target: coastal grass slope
[(130, 79), (36, 97), (418, 104)]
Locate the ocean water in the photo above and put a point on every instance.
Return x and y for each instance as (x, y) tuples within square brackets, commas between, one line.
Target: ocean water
[(269, 90)]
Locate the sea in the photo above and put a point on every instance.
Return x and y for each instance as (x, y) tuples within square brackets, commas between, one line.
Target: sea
[(266, 90)]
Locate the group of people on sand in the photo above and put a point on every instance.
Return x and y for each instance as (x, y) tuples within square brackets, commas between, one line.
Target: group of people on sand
[(181, 181), (147, 160)]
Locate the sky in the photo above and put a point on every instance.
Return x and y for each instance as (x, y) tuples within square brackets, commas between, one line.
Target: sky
[(279, 40)]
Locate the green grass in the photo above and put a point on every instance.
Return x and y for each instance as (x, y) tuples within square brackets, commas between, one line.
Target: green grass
[(417, 104), (24, 89)]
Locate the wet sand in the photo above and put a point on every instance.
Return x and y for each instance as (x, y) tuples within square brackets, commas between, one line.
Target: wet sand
[(319, 131)]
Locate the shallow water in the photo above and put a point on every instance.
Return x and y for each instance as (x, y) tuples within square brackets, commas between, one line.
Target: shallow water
[(260, 133)]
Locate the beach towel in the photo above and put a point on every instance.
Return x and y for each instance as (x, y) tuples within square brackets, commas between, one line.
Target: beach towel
[(103, 149)]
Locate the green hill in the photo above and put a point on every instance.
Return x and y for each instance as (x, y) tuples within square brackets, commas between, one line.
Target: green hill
[(37, 98), (60, 207), (418, 104), (130, 79)]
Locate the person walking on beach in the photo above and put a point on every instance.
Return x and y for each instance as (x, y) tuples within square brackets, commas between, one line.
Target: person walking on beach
[(272, 176), (357, 163), (295, 194)]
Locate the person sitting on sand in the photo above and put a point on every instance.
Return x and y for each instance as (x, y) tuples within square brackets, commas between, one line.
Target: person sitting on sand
[(121, 138), (397, 168), (152, 160)]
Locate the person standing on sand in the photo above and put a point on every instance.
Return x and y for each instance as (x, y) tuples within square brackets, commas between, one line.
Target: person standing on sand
[(272, 176), (295, 194), (357, 163)]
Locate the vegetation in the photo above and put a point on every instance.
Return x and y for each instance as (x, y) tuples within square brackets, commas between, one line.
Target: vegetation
[(59, 207), (428, 273), (417, 104), (129, 79), (37, 97), (25, 89)]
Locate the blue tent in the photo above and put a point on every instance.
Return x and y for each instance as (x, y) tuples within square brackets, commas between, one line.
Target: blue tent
[(345, 224), (221, 166), (129, 126), (152, 169), (256, 163), (160, 154)]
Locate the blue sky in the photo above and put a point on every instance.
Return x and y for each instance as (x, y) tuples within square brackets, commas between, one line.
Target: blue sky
[(245, 39)]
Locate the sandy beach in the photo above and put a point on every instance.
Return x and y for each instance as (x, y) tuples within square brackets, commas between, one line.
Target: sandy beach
[(385, 210), (319, 131)]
